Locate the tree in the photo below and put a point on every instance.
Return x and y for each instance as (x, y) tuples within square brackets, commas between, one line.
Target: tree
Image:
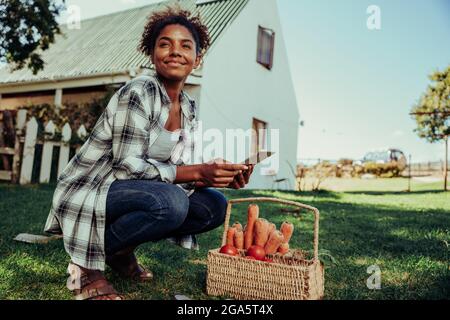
[(432, 112), (26, 27)]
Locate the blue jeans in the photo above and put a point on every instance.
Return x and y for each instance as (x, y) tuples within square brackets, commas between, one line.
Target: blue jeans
[(139, 211)]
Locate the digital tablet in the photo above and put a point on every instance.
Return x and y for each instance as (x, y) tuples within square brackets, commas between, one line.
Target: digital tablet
[(257, 158)]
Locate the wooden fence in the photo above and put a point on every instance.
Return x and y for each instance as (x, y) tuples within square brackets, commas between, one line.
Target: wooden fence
[(24, 151), (418, 169), (427, 168)]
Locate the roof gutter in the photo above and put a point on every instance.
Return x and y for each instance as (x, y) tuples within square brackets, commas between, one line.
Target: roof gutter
[(60, 80)]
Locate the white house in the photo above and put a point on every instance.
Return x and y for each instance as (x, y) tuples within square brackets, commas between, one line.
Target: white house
[(244, 83)]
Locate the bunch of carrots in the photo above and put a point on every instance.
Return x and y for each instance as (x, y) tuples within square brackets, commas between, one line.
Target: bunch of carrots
[(260, 232)]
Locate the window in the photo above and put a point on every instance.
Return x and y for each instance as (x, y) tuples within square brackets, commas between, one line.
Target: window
[(259, 137), (266, 40)]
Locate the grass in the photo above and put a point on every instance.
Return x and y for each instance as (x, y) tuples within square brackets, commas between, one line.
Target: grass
[(405, 234), (382, 185)]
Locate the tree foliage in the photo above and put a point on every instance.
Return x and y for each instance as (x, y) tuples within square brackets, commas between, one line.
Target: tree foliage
[(433, 108), (27, 27)]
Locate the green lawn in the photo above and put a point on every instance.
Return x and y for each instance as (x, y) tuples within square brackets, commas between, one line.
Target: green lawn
[(405, 234)]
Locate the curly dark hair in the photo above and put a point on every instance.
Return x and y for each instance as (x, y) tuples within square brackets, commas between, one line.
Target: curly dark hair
[(157, 21)]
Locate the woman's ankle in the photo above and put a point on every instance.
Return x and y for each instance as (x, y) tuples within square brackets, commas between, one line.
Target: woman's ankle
[(85, 270), (125, 252)]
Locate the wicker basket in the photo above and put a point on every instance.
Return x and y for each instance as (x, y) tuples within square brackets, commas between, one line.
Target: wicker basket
[(293, 276)]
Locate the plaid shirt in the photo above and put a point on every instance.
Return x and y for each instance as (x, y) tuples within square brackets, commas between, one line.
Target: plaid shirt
[(117, 149)]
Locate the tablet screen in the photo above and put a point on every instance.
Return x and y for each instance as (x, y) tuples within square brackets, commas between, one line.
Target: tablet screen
[(257, 158)]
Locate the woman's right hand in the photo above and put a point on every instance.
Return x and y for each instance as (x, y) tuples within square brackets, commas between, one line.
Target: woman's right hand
[(219, 173)]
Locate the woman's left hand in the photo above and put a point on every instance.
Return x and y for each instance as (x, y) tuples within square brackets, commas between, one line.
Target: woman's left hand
[(241, 179)]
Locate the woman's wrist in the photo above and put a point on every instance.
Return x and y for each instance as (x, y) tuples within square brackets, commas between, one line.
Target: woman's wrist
[(189, 173), (199, 172)]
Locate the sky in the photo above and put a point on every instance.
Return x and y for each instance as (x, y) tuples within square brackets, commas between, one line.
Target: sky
[(355, 87)]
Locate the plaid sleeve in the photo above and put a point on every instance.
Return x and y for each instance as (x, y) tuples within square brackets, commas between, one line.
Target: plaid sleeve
[(131, 131), (190, 150), (167, 171)]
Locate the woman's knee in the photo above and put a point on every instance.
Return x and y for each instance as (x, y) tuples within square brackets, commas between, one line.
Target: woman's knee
[(218, 203), (176, 204)]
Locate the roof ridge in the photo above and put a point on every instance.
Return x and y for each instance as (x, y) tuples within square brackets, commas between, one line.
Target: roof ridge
[(202, 2), (168, 2), (126, 10)]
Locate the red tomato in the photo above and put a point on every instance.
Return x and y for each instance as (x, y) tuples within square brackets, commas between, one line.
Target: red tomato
[(256, 252), (229, 249), (268, 260)]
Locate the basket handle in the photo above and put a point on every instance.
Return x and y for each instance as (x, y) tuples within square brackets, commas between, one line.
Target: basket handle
[(264, 199)]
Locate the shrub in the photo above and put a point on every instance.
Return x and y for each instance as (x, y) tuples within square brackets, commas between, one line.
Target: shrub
[(383, 170), (346, 169), (345, 162), (74, 114), (320, 172)]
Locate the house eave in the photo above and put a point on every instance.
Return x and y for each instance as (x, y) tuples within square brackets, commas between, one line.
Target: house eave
[(78, 82)]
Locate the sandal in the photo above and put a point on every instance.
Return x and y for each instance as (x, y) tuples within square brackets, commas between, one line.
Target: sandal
[(90, 286), (127, 266)]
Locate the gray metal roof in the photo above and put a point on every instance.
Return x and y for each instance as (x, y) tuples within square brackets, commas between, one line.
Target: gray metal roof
[(108, 44)]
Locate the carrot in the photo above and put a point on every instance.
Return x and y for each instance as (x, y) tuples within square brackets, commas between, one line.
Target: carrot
[(287, 229), (238, 226), (230, 236), (276, 238), (252, 215), (272, 227), (239, 239), (283, 248), (261, 232)]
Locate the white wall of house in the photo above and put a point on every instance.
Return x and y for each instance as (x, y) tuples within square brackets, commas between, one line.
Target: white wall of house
[(236, 89)]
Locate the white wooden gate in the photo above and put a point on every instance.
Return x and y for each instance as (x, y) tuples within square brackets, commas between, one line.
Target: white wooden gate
[(47, 152), (25, 150)]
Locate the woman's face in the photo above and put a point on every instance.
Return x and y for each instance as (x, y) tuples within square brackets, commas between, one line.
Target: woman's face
[(174, 55)]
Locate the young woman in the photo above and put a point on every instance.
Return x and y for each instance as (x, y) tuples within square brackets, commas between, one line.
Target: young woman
[(130, 182)]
